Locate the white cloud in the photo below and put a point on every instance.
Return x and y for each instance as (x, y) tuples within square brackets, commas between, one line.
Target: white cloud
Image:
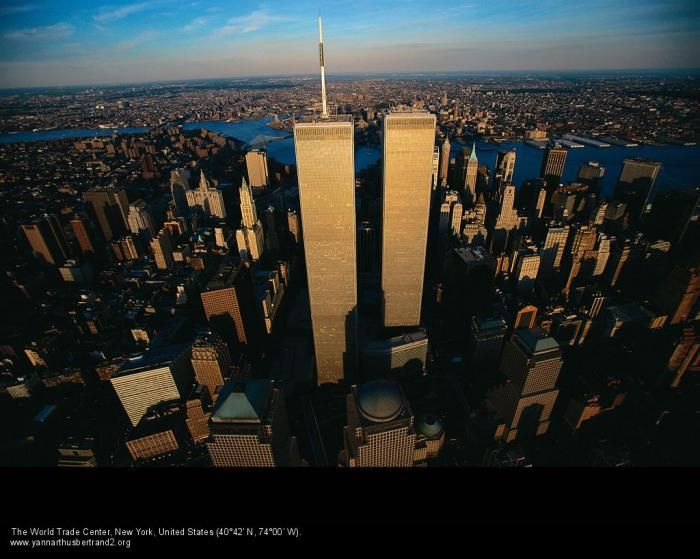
[(47, 33), (252, 22), (113, 13), (195, 24)]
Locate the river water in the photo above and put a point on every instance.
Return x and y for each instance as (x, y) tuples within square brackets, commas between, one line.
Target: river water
[(680, 164)]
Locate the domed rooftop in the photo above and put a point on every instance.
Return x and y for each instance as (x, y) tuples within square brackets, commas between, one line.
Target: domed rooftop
[(380, 400), (429, 426)]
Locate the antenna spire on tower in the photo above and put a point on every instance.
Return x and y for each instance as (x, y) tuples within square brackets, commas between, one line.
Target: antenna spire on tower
[(324, 113)]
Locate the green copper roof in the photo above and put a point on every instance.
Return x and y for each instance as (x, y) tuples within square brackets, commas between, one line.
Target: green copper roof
[(537, 340), (241, 401)]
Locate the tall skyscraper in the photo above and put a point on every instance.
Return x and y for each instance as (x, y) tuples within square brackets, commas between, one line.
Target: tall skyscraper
[(444, 161), (486, 334), (380, 431), (207, 197), (249, 427), (139, 219), (155, 376), (162, 248), (636, 183), (679, 293), (294, 226), (470, 176), (592, 174), (553, 250), (249, 237), (179, 185), (81, 231), (505, 166), (451, 212), (408, 148), (110, 207), (256, 164), (230, 304), (436, 166), (46, 237), (210, 360), (532, 361), (326, 175), (553, 162)]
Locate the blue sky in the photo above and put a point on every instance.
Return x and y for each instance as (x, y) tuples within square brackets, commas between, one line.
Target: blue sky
[(60, 42)]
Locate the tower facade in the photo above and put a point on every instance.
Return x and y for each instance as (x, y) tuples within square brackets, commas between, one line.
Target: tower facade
[(210, 360), (249, 238), (408, 150), (207, 197), (45, 236), (380, 431), (444, 161), (532, 361), (249, 429), (256, 164)]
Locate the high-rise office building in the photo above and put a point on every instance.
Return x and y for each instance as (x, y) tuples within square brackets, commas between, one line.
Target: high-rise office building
[(636, 183), (408, 147), (81, 231), (526, 317), (256, 164), (294, 226), (380, 430), (110, 207), (154, 376), (162, 248), (179, 185), (46, 238), (592, 174), (326, 175), (486, 334), (139, 219), (527, 267), (553, 162), (553, 250), (436, 166), (451, 212), (207, 197), (624, 256), (532, 361), (679, 293), (444, 161), (249, 237), (407, 353), (505, 166), (249, 427), (230, 304), (210, 360)]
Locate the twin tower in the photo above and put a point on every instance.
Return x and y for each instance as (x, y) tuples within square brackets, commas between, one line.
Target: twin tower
[(326, 174)]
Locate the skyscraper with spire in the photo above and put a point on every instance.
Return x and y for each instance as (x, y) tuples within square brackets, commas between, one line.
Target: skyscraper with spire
[(326, 174), (444, 161), (249, 237), (209, 198), (472, 170)]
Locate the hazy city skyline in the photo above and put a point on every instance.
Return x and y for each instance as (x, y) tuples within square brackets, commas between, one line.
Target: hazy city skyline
[(72, 43)]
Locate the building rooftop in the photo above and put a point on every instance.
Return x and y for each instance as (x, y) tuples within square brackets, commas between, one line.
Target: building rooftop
[(380, 400), (241, 401), (150, 359), (537, 340), (429, 426)]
